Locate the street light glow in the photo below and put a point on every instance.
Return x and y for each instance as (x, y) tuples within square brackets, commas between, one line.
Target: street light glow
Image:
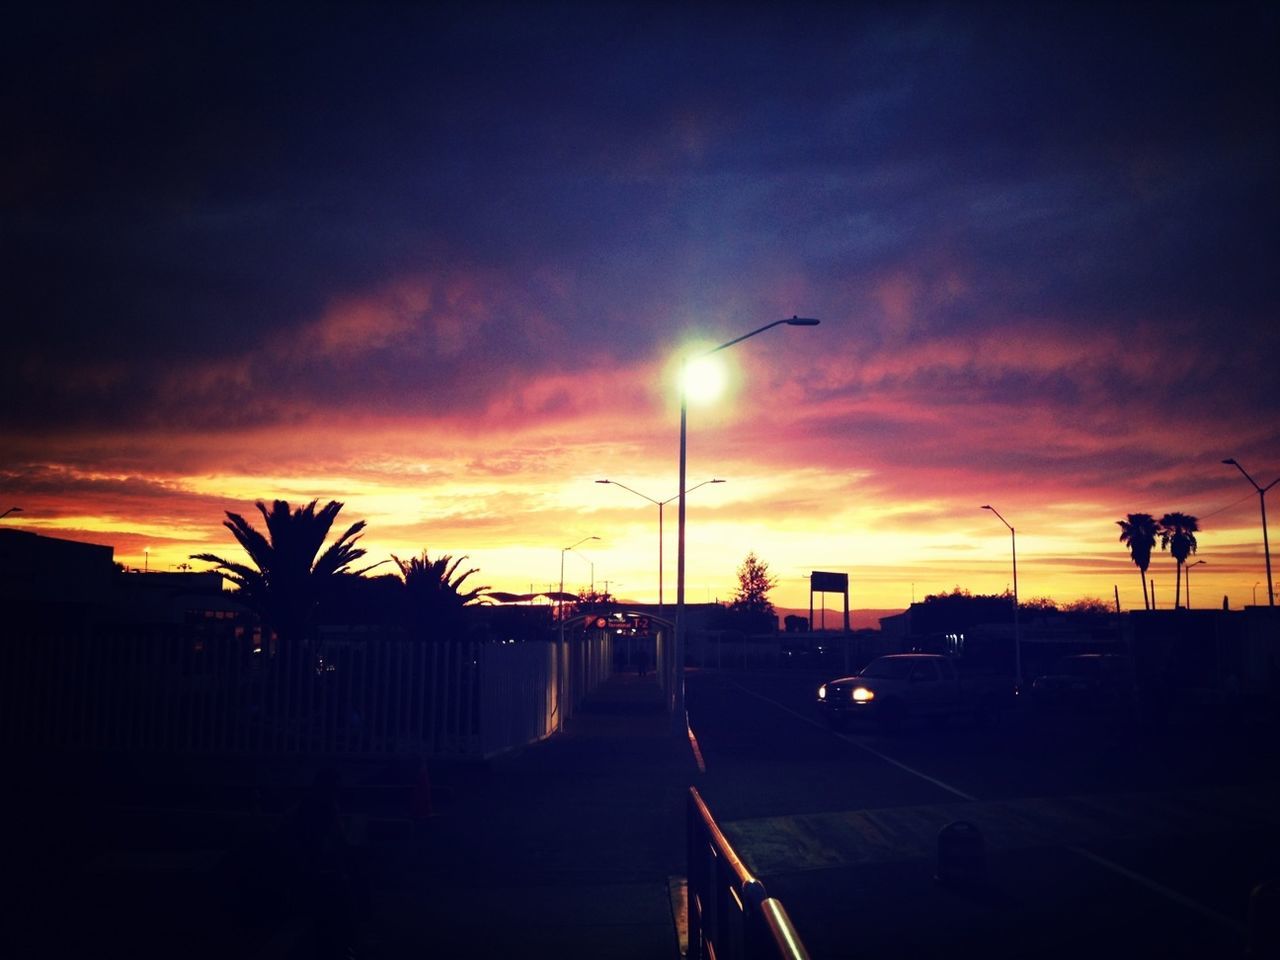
[(704, 379)]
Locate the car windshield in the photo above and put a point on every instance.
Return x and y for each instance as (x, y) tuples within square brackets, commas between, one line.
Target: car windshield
[(888, 668), (1078, 667)]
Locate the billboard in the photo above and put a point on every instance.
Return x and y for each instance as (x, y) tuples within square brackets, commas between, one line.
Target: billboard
[(820, 582)]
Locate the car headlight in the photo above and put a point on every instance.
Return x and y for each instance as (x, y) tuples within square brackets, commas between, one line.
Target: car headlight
[(863, 695), (822, 692)]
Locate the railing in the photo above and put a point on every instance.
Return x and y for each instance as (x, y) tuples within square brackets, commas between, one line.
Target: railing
[(731, 915), (350, 695)]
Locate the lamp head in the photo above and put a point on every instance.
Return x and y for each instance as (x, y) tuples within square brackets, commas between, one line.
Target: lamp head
[(604, 481), (987, 506), (1230, 460), (803, 322), (713, 480)]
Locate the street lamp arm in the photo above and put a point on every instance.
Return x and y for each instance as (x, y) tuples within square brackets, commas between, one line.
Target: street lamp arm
[(660, 503), (636, 492), (689, 490), (1235, 463), (791, 321), (987, 506)]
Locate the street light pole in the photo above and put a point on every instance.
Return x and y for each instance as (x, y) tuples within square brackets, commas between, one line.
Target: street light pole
[(560, 598), (660, 504), (1189, 566), (1266, 546), (1017, 628), (678, 705), (9, 511)]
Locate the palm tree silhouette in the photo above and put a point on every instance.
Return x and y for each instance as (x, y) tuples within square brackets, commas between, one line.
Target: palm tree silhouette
[(1139, 531), (1178, 535), (434, 598), (287, 581)]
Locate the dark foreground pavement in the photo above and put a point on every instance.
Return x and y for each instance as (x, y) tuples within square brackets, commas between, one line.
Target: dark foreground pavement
[(566, 848)]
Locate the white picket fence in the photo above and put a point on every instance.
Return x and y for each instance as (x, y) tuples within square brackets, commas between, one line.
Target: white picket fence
[(349, 695)]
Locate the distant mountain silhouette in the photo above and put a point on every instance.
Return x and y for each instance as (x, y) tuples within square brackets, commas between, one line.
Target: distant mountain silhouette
[(859, 618)]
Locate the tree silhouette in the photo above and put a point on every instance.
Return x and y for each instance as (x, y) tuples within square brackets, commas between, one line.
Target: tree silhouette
[(590, 600), (434, 598), (1178, 536), (1089, 605), (287, 580), (751, 603), (1138, 531)]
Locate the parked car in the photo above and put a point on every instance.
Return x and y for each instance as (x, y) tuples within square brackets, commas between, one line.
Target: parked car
[(893, 689), (805, 651), (1085, 681)]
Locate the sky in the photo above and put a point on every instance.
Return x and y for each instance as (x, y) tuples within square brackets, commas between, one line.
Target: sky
[(441, 264)]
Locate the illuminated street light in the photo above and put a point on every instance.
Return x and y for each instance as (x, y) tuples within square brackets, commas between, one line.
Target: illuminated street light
[(1266, 546), (660, 504), (1188, 575), (678, 665), (1017, 629)]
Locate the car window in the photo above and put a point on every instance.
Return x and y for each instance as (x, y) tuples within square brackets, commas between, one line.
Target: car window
[(1118, 666), (924, 670), (1078, 667), (888, 668)]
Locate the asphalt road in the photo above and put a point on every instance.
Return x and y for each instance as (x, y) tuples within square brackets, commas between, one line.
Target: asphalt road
[(1099, 838)]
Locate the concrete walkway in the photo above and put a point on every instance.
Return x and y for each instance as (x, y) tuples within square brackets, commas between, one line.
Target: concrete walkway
[(566, 848)]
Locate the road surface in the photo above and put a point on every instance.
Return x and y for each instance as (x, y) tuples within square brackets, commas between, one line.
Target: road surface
[(1099, 839)]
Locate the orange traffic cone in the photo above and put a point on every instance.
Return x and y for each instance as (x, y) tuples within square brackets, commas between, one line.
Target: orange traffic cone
[(420, 803)]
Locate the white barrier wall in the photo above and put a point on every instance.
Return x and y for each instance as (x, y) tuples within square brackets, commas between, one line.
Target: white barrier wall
[(348, 695)]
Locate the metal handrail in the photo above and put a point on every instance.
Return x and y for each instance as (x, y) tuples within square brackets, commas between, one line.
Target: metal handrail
[(731, 915)]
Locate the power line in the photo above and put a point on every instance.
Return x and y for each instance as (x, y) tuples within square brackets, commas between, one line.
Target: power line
[(1247, 496)]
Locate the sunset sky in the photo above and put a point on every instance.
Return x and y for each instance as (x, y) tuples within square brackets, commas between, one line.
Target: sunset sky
[(440, 265)]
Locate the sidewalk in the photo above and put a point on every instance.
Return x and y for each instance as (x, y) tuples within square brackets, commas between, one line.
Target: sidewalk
[(566, 848)]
